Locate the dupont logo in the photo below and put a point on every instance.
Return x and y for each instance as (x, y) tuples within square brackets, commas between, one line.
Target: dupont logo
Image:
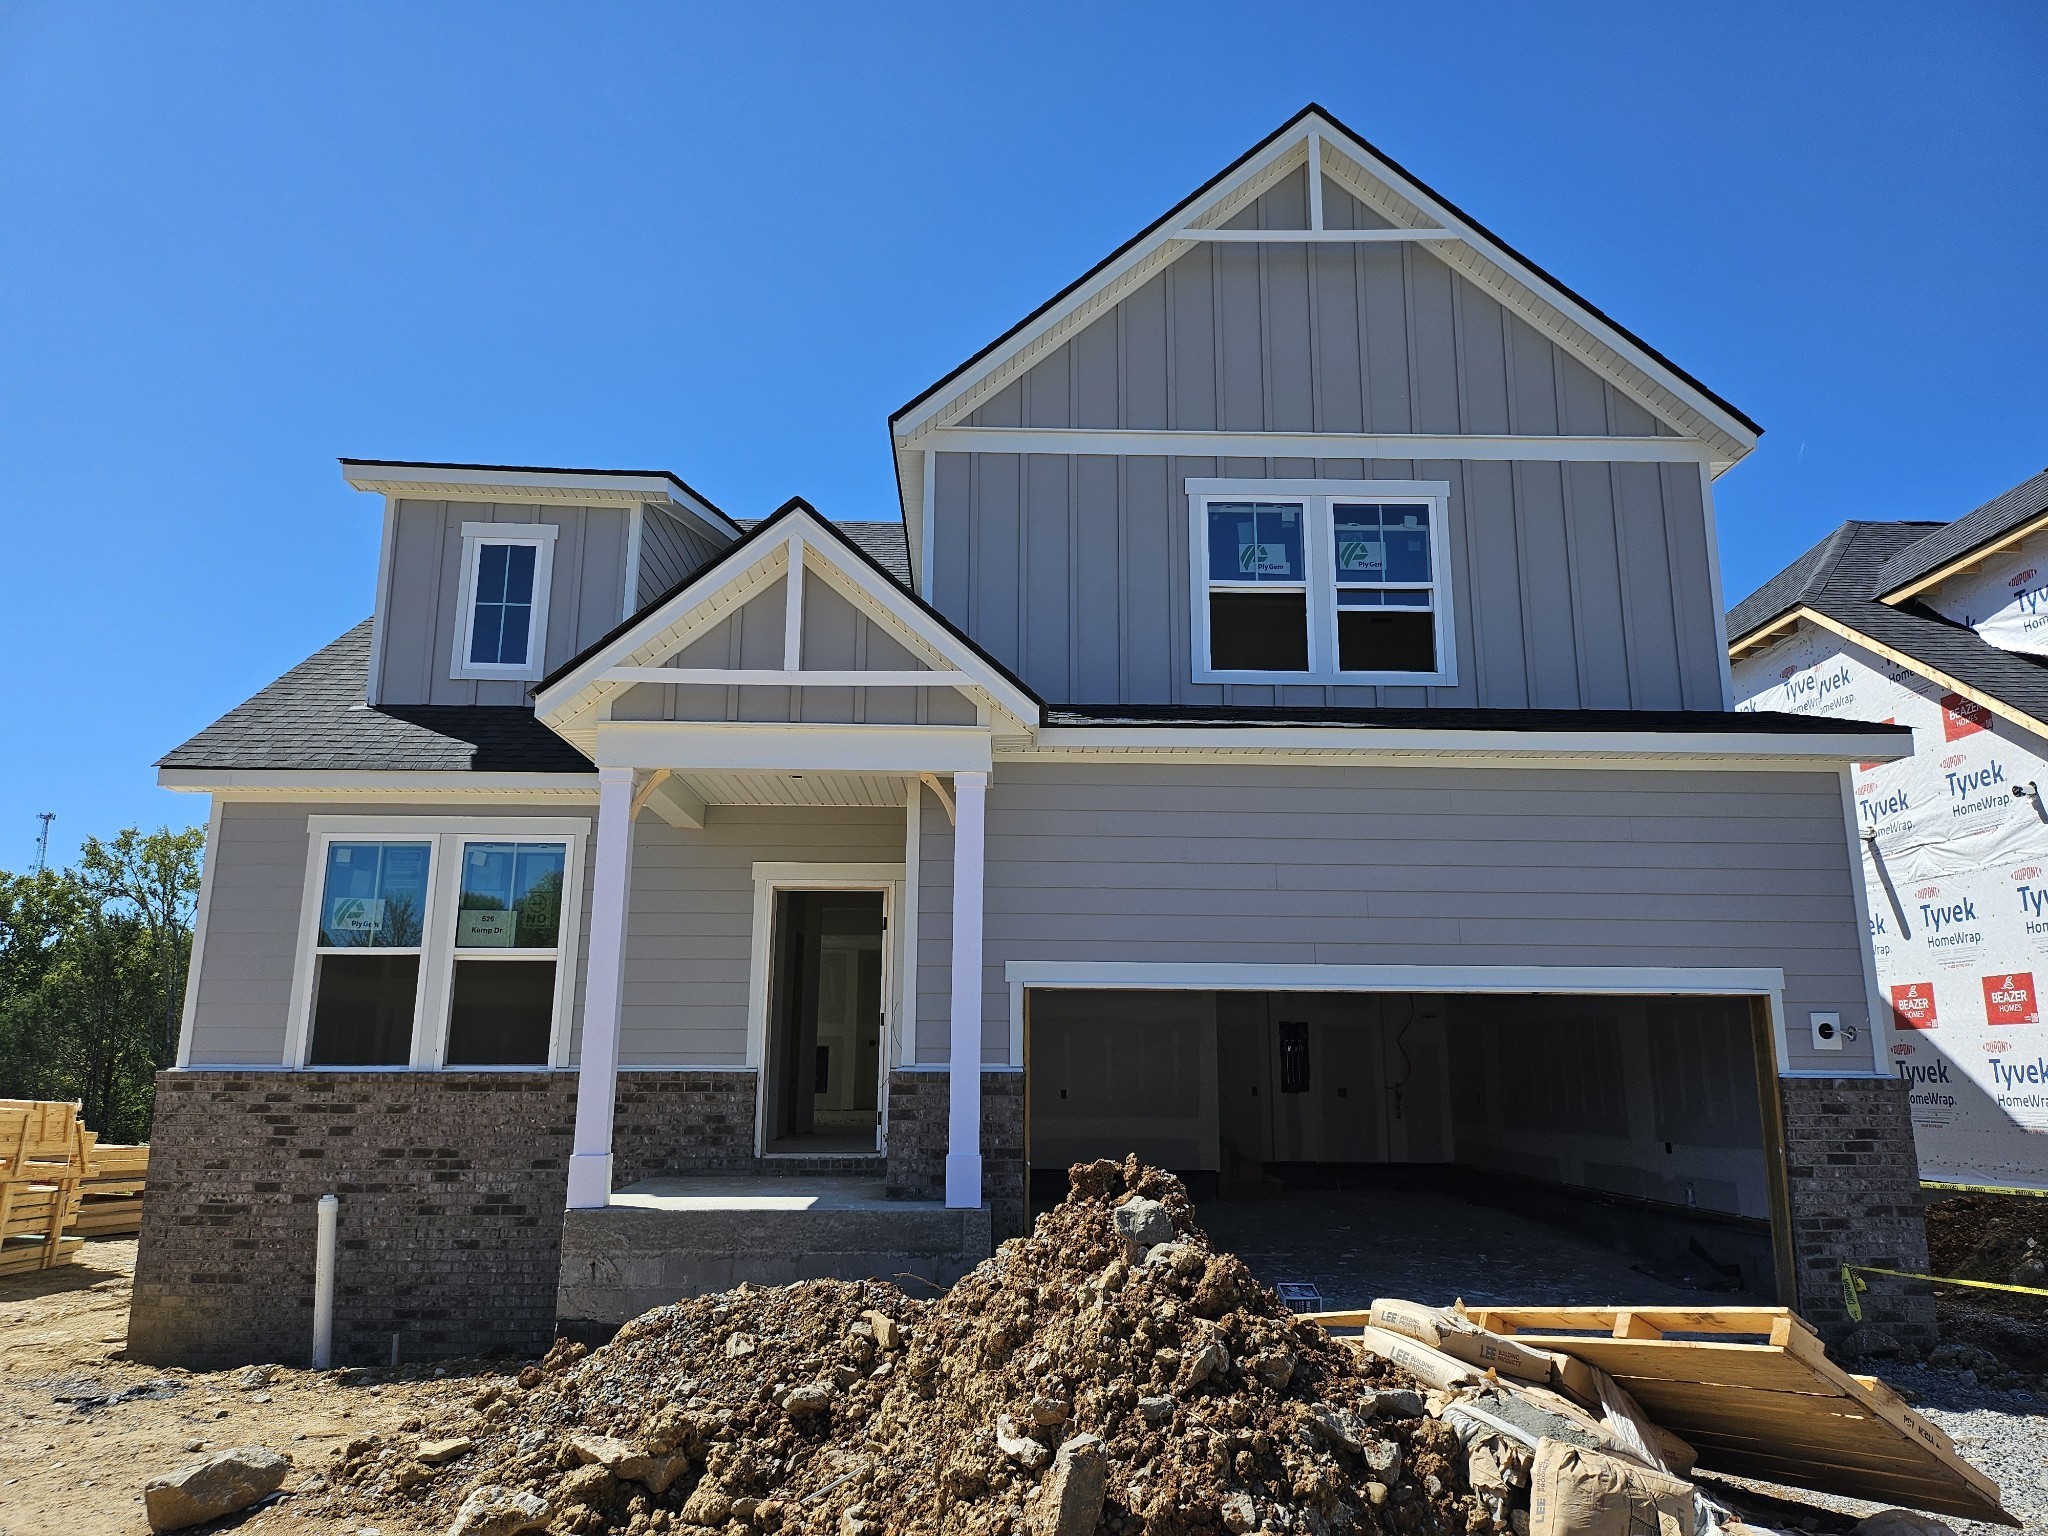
[(2023, 578), (1952, 760), (1867, 789), (1787, 672), (1926, 891), (1913, 1005), (1997, 1047), (1960, 717), (1902, 1049), (2009, 998), (2027, 872)]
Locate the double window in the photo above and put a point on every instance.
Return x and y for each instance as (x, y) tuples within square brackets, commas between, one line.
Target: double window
[(502, 612), (438, 944), (1301, 581)]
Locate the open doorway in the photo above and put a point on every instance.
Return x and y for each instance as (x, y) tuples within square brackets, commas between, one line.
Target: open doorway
[(1535, 1146), (825, 1024)]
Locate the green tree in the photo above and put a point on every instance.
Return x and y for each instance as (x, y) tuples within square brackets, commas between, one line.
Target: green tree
[(92, 975)]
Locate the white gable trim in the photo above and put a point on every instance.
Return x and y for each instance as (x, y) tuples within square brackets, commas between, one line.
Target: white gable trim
[(802, 544), (1406, 205)]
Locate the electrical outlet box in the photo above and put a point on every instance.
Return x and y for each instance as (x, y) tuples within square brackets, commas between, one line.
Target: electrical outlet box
[(1827, 1031)]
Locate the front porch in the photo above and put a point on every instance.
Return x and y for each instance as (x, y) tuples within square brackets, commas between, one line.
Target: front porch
[(661, 1240)]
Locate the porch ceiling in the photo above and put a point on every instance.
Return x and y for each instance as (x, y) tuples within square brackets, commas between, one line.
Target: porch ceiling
[(807, 788)]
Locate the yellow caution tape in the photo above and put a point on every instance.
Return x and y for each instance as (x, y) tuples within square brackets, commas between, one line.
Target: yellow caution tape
[(1851, 1286), (1985, 1189)]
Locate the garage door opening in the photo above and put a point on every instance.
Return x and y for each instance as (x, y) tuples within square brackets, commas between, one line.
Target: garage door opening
[(1529, 1148)]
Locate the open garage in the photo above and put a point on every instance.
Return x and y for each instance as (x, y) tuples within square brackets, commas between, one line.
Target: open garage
[(1370, 1140)]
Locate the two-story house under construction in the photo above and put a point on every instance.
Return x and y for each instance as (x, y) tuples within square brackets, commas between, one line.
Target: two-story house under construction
[(1290, 725)]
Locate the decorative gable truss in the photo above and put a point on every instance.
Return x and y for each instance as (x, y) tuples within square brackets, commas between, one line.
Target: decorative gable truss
[(793, 655), (1313, 147)]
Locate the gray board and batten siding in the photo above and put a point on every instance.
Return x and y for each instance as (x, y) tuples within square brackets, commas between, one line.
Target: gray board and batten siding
[(836, 636), (586, 589), (1577, 585), (1328, 865)]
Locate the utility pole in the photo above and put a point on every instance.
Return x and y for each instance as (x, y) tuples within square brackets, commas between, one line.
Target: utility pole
[(43, 840)]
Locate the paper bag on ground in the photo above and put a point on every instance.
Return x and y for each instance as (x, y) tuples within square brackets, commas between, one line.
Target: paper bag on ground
[(1577, 1492), (1432, 1367), (1456, 1336)]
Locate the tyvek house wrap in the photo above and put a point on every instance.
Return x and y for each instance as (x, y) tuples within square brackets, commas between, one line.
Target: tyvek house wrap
[(2005, 600), (1957, 880)]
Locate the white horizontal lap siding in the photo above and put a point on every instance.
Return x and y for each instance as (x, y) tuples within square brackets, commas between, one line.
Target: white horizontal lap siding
[(1329, 866), (691, 918), (242, 1006)]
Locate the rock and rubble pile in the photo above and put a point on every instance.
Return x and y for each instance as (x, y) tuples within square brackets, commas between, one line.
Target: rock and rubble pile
[(1108, 1373)]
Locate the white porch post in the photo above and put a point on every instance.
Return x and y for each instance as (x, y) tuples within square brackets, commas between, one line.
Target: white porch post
[(590, 1165), (963, 1141)]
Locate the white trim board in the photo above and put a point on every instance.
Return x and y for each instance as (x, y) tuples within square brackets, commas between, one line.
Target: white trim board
[(447, 835), (1366, 745), (456, 785), (196, 958), (1197, 444), (540, 537), (1173, 976), (782, 875)]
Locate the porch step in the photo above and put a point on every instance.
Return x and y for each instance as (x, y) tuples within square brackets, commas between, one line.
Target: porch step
[(826, 1165), (667, 1239)]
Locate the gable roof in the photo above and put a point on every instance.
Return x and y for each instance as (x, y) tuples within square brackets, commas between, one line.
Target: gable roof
[(1660, 385), (1837, 585), (314, 719), (883, 543), (2005, 519), (939, 633)]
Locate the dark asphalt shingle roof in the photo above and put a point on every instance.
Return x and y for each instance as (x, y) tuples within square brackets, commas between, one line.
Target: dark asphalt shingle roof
[(1996, 518), (314, 719), (884, 543), (1840, 578)]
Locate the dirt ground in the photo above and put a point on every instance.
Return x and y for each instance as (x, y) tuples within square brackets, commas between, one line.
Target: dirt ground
[(81, 1428)]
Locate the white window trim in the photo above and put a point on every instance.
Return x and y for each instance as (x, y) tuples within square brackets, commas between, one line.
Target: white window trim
[(541, 536), (769, 878), (438, 955), (1317, 497)]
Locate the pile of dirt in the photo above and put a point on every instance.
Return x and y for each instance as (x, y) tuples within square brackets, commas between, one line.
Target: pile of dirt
[(1110, 1372), (2001, 1335)]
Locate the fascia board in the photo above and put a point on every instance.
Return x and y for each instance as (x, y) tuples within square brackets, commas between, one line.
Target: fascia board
[(1472, 749), (452, 784), (1907, 591)]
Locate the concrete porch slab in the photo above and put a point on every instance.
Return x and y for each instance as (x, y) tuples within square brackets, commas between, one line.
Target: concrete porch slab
[(663, 1240)]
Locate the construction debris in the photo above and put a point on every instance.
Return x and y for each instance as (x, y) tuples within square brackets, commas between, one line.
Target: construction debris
[(1060, 1390), (42, 1160), (217, 1486), (1112, 1373)]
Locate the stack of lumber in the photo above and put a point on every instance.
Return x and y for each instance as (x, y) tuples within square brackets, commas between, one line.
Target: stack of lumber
[(1747, 1391), (110, 1194), (42, 1161)]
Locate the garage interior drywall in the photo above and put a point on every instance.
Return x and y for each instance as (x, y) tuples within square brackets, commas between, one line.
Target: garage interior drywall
[(1634, 1118)]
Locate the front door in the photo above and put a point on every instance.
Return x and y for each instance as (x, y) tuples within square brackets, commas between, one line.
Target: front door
[(825, 1023)]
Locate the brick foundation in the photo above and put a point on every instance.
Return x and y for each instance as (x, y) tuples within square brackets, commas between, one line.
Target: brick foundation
[(451, 1183), (919, 1109), (682, 1123), (1855, 1185)]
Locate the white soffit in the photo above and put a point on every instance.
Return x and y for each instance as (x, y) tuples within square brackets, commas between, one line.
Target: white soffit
[(561, 487), (1629, 365)]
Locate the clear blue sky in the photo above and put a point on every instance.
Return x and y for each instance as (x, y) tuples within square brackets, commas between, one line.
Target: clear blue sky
[(238, 241)]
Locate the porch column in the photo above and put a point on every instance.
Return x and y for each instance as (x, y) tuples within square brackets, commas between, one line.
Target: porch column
[(963, 1140), (590, 1165)]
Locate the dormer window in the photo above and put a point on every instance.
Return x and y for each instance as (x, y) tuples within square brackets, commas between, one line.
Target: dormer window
[(502, 617), (1320, 581)]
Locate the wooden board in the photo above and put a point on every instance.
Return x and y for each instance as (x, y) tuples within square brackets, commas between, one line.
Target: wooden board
[(21, 1257), (1771, 1406), (106, 1218)]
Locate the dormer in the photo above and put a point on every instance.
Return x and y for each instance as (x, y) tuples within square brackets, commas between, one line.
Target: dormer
[(491, 576)]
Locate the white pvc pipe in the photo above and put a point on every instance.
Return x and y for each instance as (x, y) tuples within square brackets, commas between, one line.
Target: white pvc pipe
[(323, 1285)]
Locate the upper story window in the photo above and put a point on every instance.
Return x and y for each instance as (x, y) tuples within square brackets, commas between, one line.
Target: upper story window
[(438, 944), (502, 615), (1320, 581)]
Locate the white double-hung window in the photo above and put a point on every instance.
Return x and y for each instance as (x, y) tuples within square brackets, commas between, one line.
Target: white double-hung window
[(437, 943), (1320, 581), (502, 609)]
